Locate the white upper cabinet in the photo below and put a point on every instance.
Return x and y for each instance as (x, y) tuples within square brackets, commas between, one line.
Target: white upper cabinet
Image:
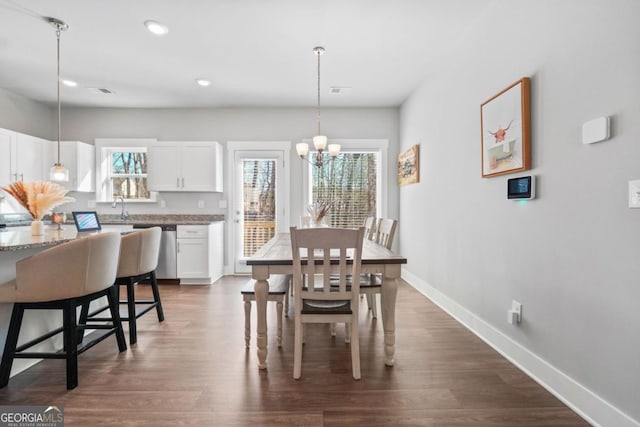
[(22, 157), (80, 159), (7, 153), (185, 166)]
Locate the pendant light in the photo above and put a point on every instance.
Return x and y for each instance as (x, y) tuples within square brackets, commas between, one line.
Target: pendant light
[(58, 172), (319, 141)]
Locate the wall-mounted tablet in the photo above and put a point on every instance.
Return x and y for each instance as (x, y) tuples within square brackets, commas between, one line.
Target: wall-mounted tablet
[(521, 188), (86, 221)]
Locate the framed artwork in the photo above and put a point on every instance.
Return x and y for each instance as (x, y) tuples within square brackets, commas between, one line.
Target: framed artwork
[(409, 166), (505, 127)]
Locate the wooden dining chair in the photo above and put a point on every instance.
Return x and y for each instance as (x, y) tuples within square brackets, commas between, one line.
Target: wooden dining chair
[(370, 227), (371, 286), (317, 253)]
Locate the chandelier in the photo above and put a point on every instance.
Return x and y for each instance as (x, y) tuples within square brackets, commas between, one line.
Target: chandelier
[(319, 141)]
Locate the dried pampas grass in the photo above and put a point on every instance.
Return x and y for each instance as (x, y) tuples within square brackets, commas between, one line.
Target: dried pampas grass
[(38, 197)]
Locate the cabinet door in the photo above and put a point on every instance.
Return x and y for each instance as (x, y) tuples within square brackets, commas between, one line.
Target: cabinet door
[(163, 173), (193, 258), (216, 249), (7, 156), (29, 153), (85, 167), (198, 166)]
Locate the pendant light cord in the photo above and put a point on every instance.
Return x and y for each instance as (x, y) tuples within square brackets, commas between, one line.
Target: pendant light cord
[(58, 36)]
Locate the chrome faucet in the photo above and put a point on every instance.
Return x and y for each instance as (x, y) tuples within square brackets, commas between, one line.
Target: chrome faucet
[(124, 214)]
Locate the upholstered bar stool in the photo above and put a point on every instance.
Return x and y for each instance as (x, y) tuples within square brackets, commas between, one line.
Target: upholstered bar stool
[(63, 278), (138, 260)]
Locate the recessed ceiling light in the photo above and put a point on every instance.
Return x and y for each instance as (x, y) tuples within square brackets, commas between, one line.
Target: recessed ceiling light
[(203, 82), (69, 83), (156, 28)]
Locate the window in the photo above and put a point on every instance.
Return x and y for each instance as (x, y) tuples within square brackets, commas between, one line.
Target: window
[(127, 176), (350, 184), (259, 195)]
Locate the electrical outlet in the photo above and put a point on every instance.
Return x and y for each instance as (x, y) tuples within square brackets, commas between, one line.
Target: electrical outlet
[(201, 204), (222, 204), (514, 316), (163, 203)]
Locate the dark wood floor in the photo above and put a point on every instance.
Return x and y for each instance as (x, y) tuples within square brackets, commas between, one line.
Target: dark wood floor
[(193, 369)]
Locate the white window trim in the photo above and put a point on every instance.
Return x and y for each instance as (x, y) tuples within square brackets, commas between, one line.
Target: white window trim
[(355, 145), (104, 146)]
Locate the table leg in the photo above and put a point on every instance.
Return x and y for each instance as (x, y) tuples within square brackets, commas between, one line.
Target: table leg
[(261, 290), (389, 292)]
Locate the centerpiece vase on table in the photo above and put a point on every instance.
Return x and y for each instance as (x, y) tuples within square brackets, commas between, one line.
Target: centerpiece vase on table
[(38, 198), (318, 211)]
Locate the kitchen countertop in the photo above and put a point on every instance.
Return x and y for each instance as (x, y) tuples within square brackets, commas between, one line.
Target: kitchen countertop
[(19, 238), (14, 238), (172, 219), (146, 219)]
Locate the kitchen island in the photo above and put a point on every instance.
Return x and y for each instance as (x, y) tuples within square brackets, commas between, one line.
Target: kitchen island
[(17, 243)]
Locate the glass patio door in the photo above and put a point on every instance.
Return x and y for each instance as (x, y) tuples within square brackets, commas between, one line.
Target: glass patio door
[(258, 206)]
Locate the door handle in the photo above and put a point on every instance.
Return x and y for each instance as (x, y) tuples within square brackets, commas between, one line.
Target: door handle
[(183, 182), (178, 182)]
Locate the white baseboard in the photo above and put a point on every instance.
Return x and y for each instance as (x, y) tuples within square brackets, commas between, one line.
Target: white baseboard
[(583, 401)]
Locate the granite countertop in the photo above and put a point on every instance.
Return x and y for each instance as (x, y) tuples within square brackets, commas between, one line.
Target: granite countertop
[(153, 219), (17, 239), (147, 219), (14, 238)]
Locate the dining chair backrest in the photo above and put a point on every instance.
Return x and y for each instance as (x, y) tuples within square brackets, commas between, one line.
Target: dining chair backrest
[(386, 231), (318, 251), (370, 228)]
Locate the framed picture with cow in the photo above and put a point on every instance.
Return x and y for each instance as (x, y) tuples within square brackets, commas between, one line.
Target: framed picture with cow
[(505, 126)]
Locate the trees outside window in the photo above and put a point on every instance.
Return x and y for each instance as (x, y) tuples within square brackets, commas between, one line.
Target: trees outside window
[(128, 174), (349, 183)]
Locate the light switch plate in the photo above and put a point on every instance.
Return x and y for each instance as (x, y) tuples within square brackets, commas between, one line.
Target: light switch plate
[(634, 193)]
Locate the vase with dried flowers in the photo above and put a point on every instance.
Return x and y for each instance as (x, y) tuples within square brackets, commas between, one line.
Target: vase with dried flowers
[(38, 198), (318, 211)]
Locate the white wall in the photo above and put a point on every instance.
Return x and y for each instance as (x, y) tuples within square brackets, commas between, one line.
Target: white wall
[(24, 115), (233, 124), (572, 256)]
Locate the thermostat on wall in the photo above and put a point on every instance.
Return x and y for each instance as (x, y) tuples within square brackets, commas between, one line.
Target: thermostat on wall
[(522, 188)]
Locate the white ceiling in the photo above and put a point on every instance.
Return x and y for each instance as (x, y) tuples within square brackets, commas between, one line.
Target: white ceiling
[(255, 52)]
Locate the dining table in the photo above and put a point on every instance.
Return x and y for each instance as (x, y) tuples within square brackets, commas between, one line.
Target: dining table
[(275, 257)]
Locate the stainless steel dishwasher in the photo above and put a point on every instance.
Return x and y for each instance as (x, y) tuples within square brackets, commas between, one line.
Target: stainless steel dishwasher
[(168, 256)]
